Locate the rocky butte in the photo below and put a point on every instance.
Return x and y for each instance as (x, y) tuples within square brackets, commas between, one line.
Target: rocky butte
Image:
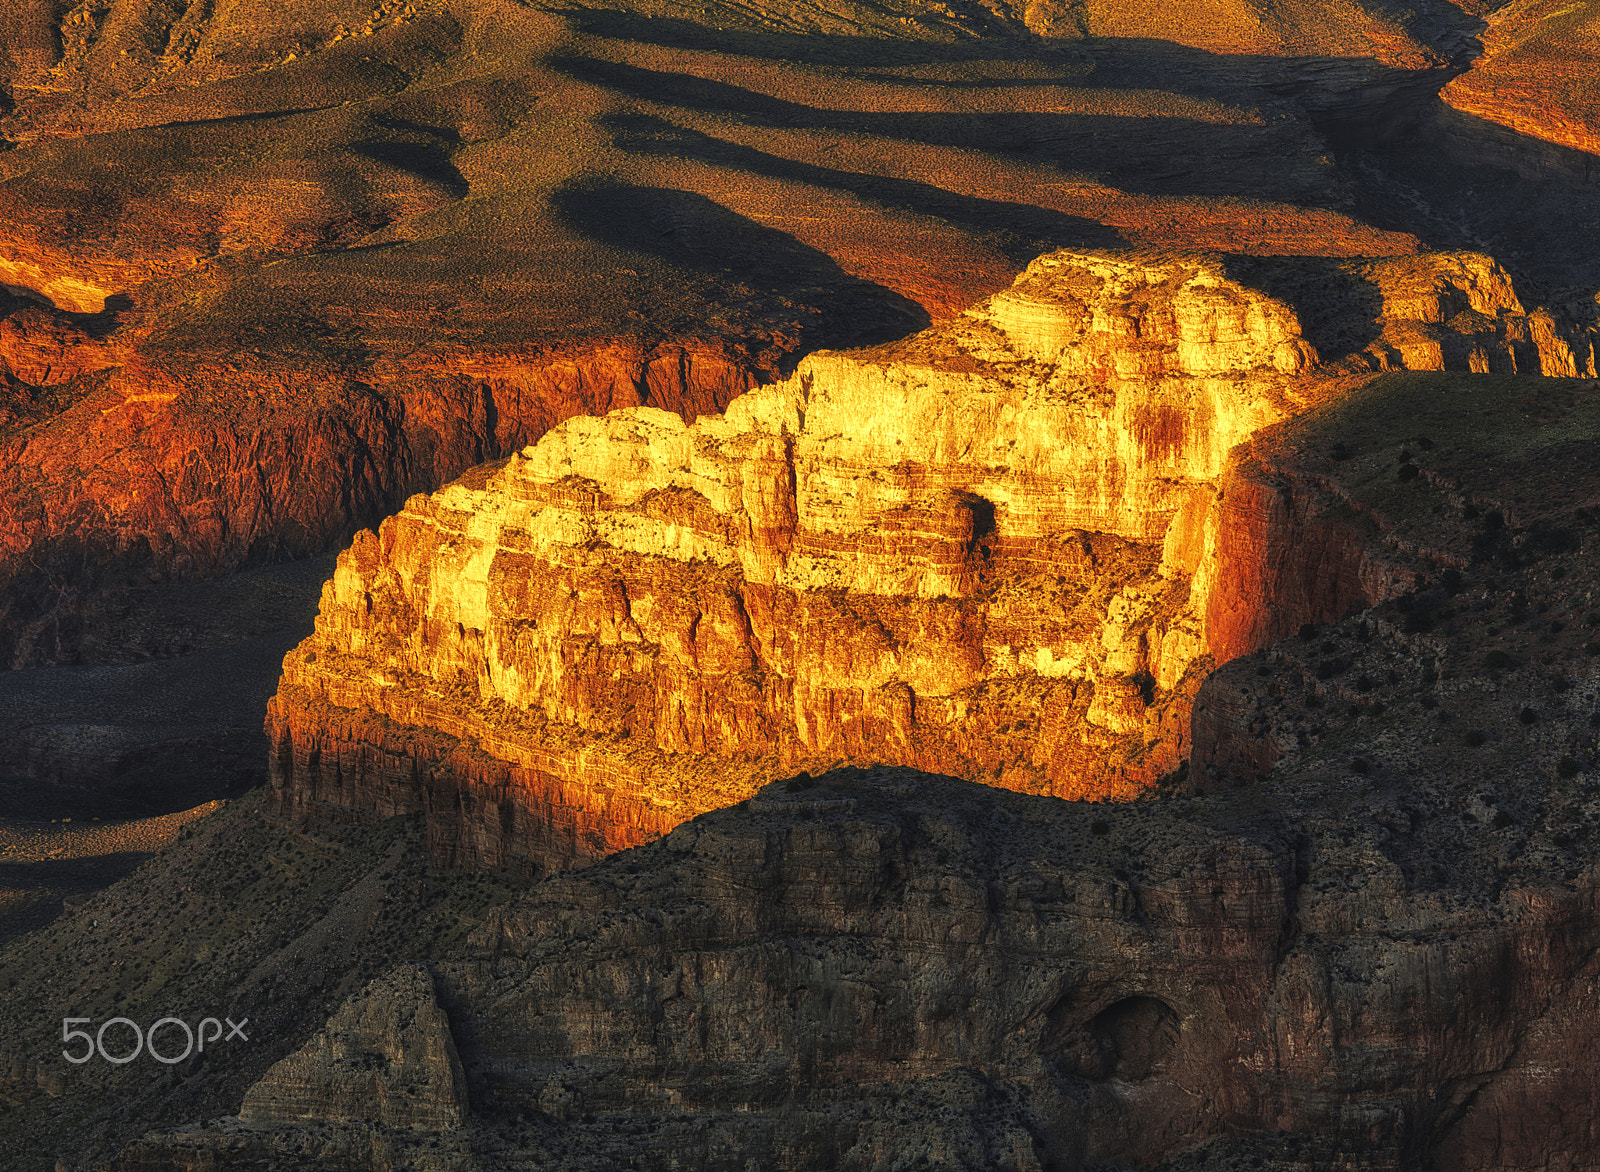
[(1008, 549)]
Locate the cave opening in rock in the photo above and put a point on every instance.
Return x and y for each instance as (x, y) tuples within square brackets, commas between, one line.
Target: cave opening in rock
[(1129, 1040)]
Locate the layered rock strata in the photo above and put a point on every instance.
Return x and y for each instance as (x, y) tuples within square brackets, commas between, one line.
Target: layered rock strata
[(119, 477), (387, 1057), (1006, 549), (877, 968)]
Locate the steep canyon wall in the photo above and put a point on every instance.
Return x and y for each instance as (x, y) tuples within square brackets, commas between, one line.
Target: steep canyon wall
[(1006, 549), (117, 469)]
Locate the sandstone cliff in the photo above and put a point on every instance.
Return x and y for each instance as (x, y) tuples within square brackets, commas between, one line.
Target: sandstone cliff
[(141, 473), (1006, 549)]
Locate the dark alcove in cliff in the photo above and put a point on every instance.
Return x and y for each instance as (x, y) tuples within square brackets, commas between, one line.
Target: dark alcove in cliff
[(1128, 1040), (983, 524)]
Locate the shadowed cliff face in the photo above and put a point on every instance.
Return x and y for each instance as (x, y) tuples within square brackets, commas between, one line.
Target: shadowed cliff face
[(1006, 549), (878, 966), (1486, 534)]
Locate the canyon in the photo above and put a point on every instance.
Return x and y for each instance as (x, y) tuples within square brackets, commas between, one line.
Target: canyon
[(974, 585), (1362, 934)]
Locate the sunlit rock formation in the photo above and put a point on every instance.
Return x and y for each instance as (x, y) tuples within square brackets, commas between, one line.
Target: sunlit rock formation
[(1006, 549)]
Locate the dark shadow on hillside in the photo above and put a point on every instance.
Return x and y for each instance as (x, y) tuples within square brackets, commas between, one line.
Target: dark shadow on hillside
[(1026, 230), (1457, 181), (1360, 96), (693, 232), (420, 149), (1156, 155), (105, 323), (1403, 161), (1338, 309)]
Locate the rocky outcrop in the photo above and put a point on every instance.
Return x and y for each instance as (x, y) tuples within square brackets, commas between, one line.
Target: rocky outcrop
[(386, 1057), (900, 552), (878, 967), (1006, 549)]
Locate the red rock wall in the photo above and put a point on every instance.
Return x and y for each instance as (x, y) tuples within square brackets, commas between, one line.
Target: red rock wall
[(1280, 564), (148, 475)]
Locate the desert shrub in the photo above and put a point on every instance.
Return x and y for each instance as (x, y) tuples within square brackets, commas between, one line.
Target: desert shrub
[(1329, 668), (1567, 767), (1497, 660), (1360, 765), (1474, 737), (1528, 716), (1555, 538)]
